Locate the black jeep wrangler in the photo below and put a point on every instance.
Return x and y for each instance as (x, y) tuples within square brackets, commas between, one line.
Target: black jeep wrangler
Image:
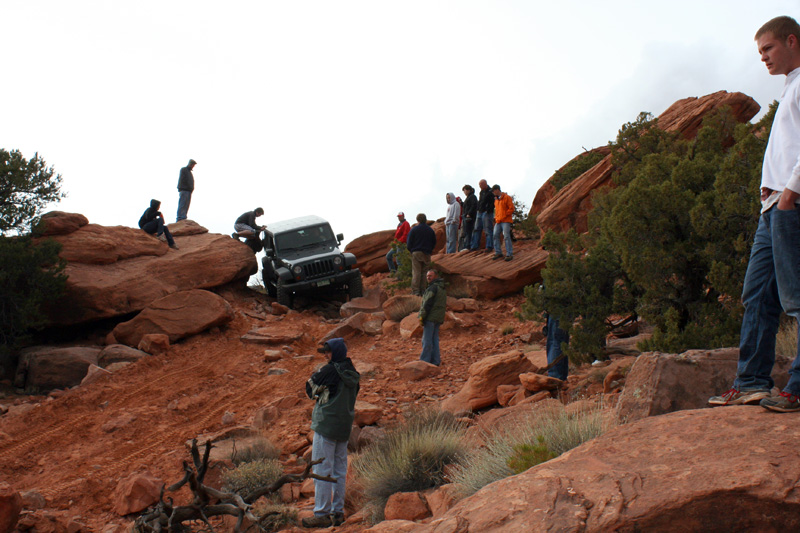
[(302, 255)]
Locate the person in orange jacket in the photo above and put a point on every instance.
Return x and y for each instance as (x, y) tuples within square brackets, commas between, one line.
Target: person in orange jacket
[(503, 213)]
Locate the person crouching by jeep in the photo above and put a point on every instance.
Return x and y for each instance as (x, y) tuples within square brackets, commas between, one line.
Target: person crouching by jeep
[(245, 226), (431, 316), (334, 387), (152, 222)]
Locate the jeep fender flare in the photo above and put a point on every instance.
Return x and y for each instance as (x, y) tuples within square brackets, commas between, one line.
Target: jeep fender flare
[(349, 259), (283, 273)]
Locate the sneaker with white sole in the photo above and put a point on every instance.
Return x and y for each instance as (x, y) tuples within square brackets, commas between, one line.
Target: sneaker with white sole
[(737, 397), (785, 402), (317, 521)]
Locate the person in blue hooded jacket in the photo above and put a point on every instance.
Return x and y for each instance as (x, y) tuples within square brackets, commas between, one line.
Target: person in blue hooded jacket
[(152, 222), (334, 387)]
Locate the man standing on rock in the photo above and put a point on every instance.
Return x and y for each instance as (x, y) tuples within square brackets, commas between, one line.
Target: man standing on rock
[(470, 208), (185, 189), (772, 280), (485, 220), (421, 242), (334, 387), (451, 223), (400, 238), (431, 316), (503, 216)]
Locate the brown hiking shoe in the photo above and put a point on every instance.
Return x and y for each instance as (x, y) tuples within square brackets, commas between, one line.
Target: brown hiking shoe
[(785, 402), (737, 397)]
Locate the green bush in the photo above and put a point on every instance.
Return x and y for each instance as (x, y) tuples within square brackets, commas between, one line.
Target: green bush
[(580, 164), (248, 477), (411, 457), (260, 449), (548, 431)]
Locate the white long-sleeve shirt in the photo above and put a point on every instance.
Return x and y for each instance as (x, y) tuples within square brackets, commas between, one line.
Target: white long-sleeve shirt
[(781, 167)]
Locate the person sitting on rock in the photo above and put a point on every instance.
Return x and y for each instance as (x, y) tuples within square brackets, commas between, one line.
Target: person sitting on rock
[(431, 316), (152, 222), (334, 387)]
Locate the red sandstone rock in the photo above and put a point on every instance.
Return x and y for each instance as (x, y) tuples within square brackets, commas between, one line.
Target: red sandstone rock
[(441, 499), (371, 302), (410, 328), (48, 367), (178, 315), (10, 507), (59, 223), (506, 392), (689, 477), (406, 506), (95, 373), (370, 251), (416, 370), (367, 414), (154, 343), (136, 493), (398, 307), (534, 382), (485, 376), (119, 353), (369, 324)]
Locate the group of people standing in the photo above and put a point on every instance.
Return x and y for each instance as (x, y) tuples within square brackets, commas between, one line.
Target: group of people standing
[(490, 213)]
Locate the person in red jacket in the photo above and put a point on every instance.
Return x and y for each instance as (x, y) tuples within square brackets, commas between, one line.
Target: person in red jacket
[(503, 214), (400, 237)]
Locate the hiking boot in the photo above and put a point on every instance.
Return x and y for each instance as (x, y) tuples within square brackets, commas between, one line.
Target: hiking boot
[(496, 256), (735, 397), (318, 521), (162, 237), (785, 402), (509, 258), (174, 246), (337, 519), (235, 235)]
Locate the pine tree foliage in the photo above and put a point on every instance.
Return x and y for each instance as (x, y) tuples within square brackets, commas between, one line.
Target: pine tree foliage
[(670, 243), (27, 186)]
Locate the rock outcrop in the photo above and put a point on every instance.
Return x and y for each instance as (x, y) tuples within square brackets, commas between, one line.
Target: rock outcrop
[(698, 470), (370, 249), (49, 367), (570, 205), (177, 315), (113, 271)]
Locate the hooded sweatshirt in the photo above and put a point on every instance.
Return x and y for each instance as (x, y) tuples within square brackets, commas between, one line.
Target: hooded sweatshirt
[(151, 213), (334, 387), (453, 210)]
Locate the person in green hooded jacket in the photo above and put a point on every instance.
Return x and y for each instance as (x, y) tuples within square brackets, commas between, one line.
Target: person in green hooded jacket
[(334, 387), (431, 316)]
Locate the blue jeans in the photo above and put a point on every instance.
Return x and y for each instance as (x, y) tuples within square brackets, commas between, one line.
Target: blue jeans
[(329, 497), (451, 233), (555, 336), (772, 282), (390, 260), (504, 227), (184, 199), (430, 343), (157, 227), (485, 221)]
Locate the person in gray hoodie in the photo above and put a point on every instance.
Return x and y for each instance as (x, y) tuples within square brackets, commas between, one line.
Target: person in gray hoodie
[(451, 223), (334, 387)]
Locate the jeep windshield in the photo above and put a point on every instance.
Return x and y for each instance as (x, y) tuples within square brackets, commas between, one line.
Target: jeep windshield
[(304, 238)]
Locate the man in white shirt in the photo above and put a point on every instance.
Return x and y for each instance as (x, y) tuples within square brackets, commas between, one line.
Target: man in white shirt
[(772, 281)]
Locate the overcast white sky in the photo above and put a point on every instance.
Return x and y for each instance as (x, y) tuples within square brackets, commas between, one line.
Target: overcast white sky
[(351, 110)]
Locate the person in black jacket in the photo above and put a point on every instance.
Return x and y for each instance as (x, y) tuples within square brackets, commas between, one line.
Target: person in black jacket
[(485, 218), (185, 190), (152, 222), (469, 212), (421, 242)]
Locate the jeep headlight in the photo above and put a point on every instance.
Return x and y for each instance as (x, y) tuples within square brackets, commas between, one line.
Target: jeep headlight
[(337, 260), (297, 270)]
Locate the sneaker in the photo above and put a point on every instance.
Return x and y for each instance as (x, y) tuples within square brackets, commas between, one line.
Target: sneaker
[(162, 237), (509, 258), (337, 519), (235, 235), (735, 397), (786, 402), (174, 246), (318, 521), (598, 362), (496, 256)]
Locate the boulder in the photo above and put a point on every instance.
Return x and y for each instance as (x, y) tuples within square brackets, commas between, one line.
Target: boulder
[(49, 367), (59, 223), (505, 393), (95, 373), (485, 376), (10, 507), (369, 324), (371, 302), (367, 413), (660, 383), (177, 315), (266, 336), (114, 271), (406, 506), (410, 327), (370, 251), (119, 353), (417, 370), (154, 343), (398, 307), (696, 470), (441, 499), (534, 382), (136, 493)]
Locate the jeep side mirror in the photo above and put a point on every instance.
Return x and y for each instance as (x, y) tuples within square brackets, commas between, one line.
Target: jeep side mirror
[(340, 237)]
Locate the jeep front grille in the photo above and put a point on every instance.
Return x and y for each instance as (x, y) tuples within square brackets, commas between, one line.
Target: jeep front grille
[(318, 269)]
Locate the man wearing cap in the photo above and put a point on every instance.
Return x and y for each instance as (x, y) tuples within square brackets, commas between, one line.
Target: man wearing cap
[(334, 387), (185, 189), (400, 238)]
